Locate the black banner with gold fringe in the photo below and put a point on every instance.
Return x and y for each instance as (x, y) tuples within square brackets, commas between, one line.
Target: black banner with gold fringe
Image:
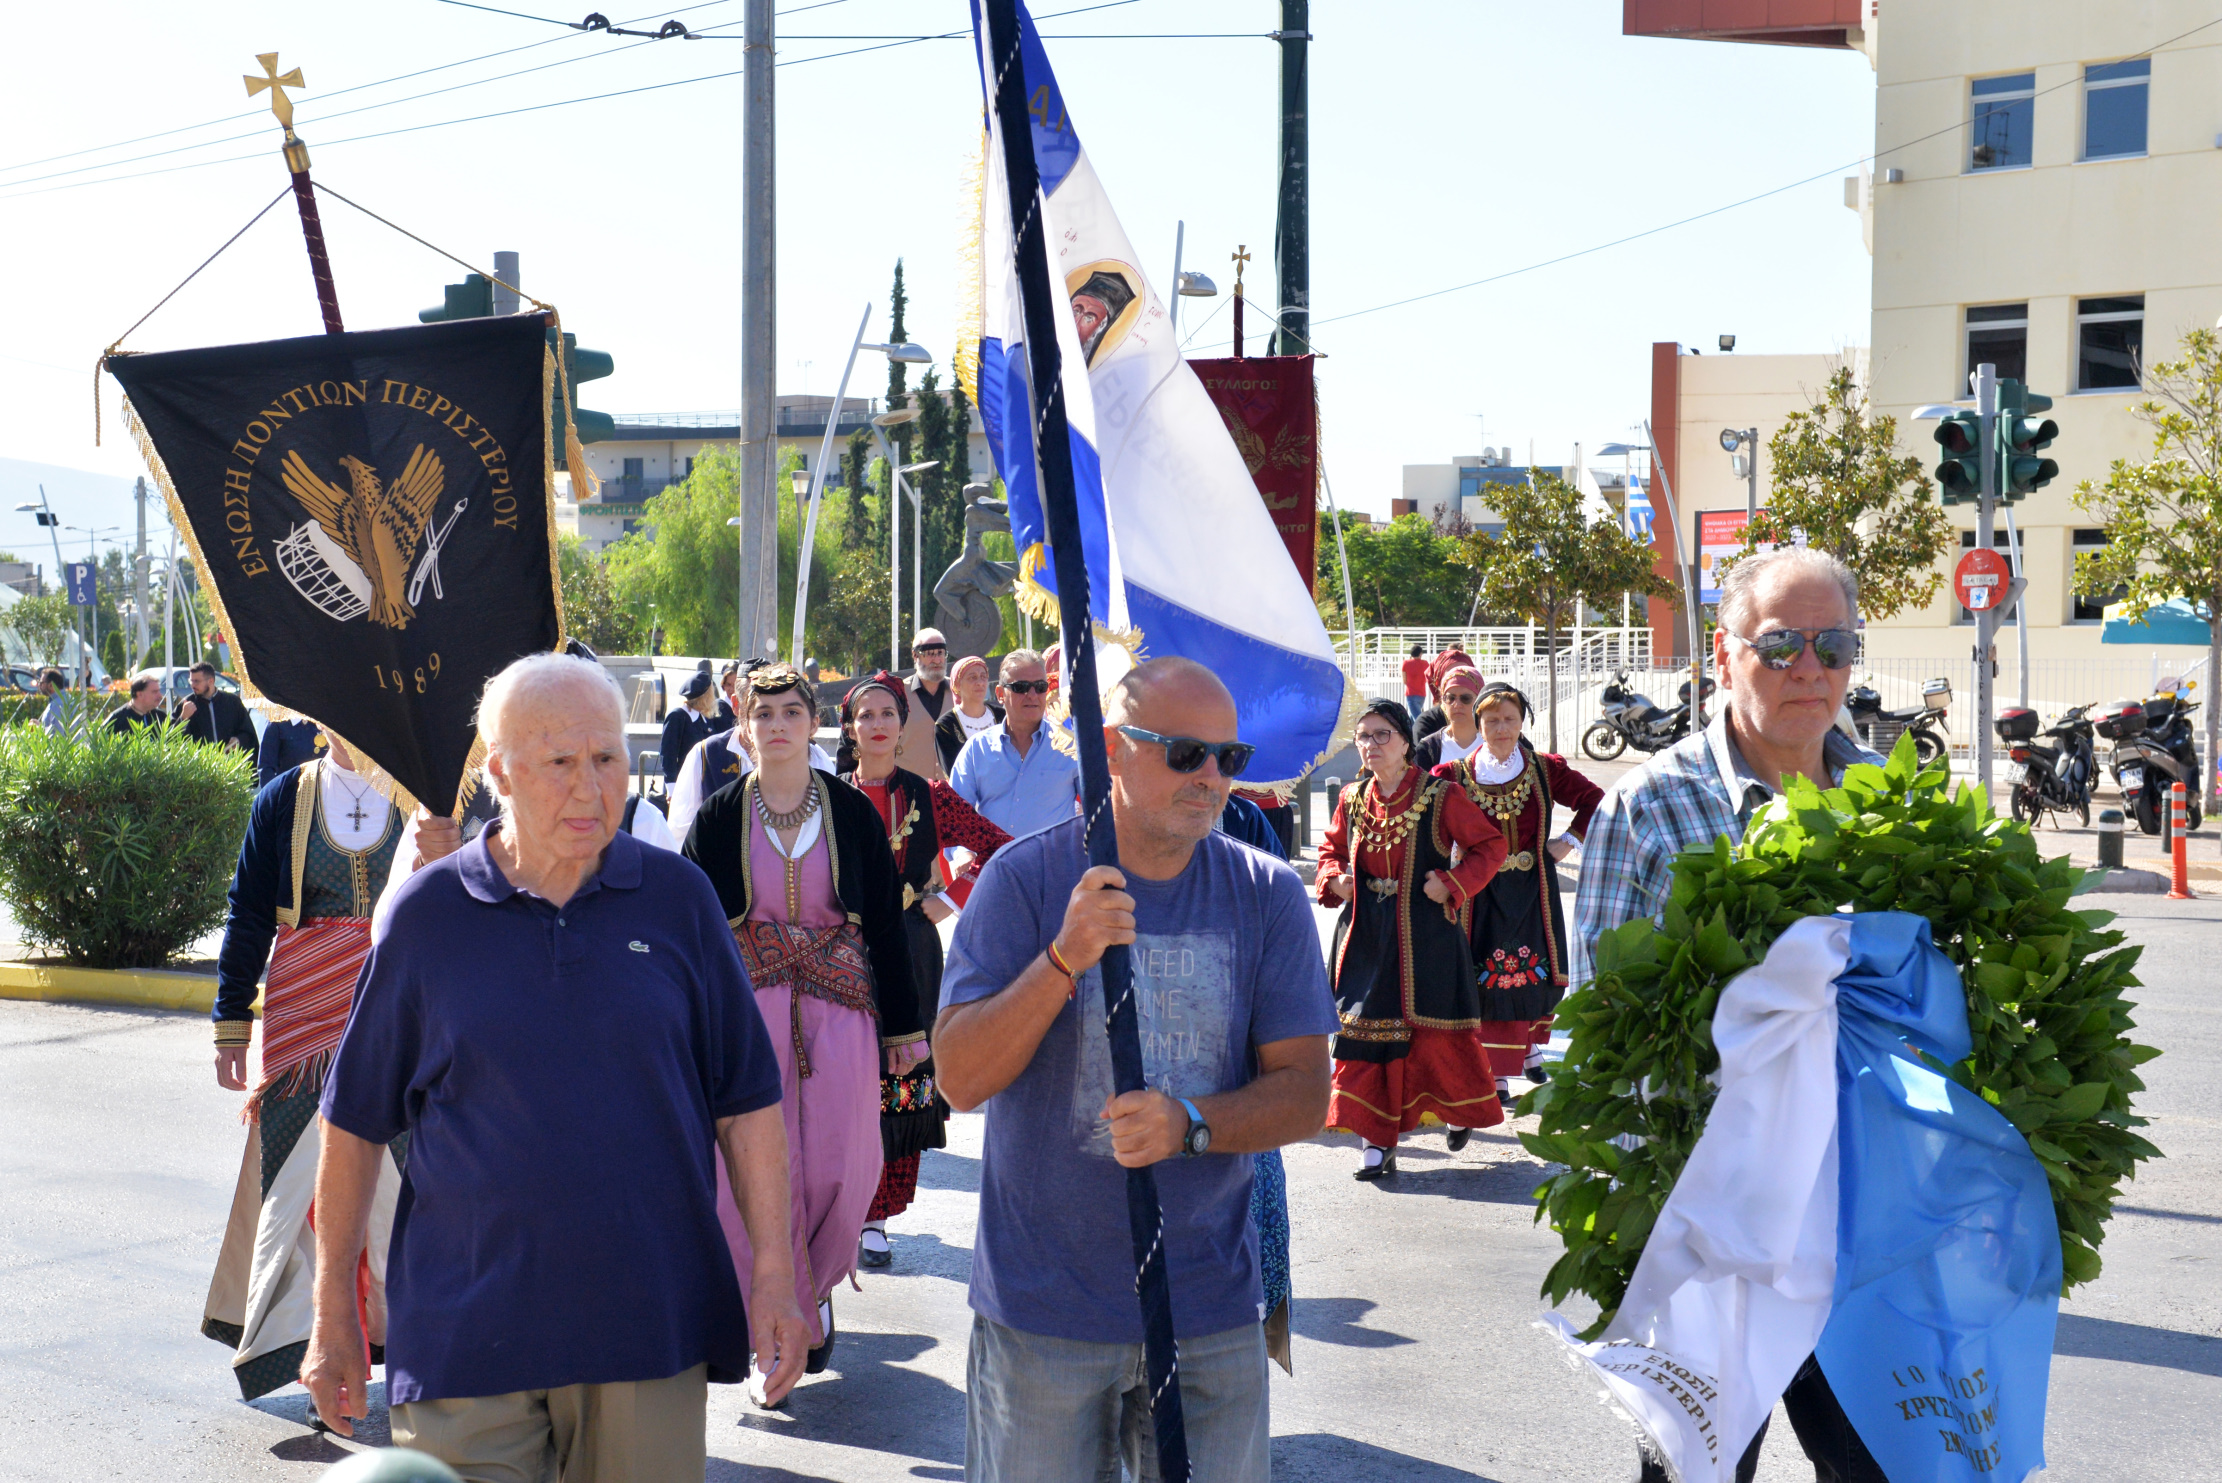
[(373, 515)]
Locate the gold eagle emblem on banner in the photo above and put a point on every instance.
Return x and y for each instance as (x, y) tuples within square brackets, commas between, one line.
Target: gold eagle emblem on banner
[(354, 554)]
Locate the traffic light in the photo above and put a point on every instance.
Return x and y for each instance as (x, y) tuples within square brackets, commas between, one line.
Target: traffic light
[(473, 298), (2021, 438), (1960, 475), (582, 365)]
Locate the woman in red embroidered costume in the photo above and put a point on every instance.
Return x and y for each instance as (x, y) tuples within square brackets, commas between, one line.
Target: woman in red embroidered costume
[(1404, 857), (801, 862), (923, 819), (1519, 925), (320, 843)]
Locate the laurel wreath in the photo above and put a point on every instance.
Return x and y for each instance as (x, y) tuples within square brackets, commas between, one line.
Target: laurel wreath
[(2044, 984)]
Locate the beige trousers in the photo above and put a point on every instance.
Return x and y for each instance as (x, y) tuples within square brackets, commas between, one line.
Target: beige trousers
[(631, 1431)]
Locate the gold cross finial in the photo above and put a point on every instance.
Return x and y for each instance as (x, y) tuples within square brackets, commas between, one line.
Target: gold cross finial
[(1241, 256), (280, 104)]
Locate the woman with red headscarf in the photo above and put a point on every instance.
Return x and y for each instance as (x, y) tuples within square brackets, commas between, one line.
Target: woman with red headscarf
[(1434, 718), (922, 819)]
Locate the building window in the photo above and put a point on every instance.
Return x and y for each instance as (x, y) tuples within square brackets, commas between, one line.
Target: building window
[(690, 466), (2114, 96), (2110, 342), (1999, 334), (1960, 614), (2089, 609), (636, 468), (2005, 110)]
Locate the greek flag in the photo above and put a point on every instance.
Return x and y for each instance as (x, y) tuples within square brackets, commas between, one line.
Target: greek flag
[(1636, 510), (1182, 554), (1848, 1202)]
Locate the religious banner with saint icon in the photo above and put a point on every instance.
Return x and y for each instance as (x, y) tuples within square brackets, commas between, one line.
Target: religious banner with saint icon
[(372, 514), (1268, 404)]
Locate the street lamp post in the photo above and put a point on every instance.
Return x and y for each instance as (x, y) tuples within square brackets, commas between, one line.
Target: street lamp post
[(1746, 464), (895, 492), (908, 354)]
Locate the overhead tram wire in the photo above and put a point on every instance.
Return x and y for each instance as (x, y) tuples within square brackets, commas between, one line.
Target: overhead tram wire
[(230, 118)]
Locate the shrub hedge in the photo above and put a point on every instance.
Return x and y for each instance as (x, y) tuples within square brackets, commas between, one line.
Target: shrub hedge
[(116, 851)]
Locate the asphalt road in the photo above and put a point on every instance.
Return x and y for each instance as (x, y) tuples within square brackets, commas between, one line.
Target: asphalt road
[(1416, 1360)]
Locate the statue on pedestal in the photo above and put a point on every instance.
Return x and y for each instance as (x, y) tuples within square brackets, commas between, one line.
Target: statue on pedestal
[(965, 608)]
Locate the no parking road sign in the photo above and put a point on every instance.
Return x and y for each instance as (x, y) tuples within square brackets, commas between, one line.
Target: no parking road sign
[(1981, 579)]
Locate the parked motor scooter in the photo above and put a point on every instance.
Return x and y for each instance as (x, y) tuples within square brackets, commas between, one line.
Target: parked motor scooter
[(1631, 720), (2153, 749), (2041, 779), (1925, 721)]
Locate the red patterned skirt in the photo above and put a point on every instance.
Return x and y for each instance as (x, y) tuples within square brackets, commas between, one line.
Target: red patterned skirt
[(1446, 1080)]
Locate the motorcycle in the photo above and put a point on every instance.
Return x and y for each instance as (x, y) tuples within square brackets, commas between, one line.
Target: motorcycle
[(2153, 748), (1925, 721), (2042, 780), (1631, 720)]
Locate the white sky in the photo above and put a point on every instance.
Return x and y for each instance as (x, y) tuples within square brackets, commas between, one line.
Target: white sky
[(1450, 141)]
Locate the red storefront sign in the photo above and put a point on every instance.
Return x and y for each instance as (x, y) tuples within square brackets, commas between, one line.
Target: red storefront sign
[(1273, 416)]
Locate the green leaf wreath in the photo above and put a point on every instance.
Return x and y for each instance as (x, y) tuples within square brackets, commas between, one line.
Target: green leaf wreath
[(2044, 1001)]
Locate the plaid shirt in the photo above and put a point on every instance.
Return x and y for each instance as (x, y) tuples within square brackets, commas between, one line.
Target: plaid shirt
[(1691, 794)]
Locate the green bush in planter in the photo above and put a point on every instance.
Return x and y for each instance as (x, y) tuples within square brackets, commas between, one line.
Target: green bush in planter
[(116, 851)]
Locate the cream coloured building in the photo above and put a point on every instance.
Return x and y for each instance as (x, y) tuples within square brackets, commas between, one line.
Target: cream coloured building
[(2042, 198)]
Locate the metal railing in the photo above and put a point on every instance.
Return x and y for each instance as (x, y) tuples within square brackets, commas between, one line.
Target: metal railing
[(1381, 652)]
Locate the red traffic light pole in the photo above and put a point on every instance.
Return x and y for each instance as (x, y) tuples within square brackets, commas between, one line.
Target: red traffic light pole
[(304, 193)]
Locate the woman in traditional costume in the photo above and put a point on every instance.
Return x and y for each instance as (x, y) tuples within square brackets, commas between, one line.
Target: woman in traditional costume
[(320, 841), (802, 864), (922, 819), (1403, 858), (1460, 735), (1519, 926)]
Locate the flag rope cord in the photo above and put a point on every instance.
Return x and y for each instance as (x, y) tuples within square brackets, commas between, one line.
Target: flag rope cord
[(173, 293)]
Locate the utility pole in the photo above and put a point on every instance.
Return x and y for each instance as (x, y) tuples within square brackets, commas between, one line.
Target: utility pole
[(759, 513), (139, 578), (1292, 224)]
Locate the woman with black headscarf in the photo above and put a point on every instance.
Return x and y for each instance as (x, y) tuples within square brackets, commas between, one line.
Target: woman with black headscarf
[(1518, 924), (922, 819), (1404, 858)]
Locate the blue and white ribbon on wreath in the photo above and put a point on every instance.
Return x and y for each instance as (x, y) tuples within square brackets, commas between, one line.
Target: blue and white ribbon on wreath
[(1848, 1202), (1182, 555)]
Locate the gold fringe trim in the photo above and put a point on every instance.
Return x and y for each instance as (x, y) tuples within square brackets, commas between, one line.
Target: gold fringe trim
[(1346, 726), (1033, 599), (971, 269)]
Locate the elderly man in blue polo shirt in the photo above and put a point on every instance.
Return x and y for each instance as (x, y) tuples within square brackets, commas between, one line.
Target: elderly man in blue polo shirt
[(1011, 773), (559, 1018)]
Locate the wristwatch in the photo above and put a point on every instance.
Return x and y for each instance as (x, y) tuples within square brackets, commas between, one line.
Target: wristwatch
[(1199, 1132)]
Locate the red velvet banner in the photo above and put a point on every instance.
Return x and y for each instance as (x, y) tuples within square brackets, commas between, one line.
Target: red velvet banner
[(1271, 412)]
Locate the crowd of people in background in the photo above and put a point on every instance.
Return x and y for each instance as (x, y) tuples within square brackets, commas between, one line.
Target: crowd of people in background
[(677, 1190)]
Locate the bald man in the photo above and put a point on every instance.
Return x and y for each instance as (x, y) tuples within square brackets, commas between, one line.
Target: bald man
[(1235, 1015), (558, 1285)]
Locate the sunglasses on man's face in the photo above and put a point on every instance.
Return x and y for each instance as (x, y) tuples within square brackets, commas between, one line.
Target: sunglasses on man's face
[(1027, 687), (1187, 753), (1836, 648)]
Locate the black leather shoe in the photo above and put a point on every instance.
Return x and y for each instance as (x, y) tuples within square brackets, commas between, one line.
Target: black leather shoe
[(1457, 1138), (822, 1355), (1371, 1173), (867, 1257)]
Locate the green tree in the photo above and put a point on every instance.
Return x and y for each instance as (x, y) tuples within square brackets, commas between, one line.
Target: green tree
[(680, 570), (591, 608), (856, 521), (2163, 517), (42, 625), (1402, 575), (1840, 481), (1549, 558)]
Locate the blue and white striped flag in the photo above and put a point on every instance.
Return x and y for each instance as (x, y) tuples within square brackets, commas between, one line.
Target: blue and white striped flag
[(1636, 512), (1182, 554)]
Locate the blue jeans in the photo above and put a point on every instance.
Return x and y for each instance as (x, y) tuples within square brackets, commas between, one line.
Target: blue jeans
[(1415, 704), (1043, 1410)]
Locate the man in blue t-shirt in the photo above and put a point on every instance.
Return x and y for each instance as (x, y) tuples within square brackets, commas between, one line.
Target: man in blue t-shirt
[(558, 1016), (1235, 1014)]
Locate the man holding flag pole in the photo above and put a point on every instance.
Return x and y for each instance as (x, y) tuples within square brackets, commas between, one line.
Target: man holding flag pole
[(1137, 908)]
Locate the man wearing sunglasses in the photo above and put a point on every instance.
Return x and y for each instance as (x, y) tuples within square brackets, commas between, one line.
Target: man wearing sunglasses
[(1012, 774), (1784, 650), (1235, 1013)]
